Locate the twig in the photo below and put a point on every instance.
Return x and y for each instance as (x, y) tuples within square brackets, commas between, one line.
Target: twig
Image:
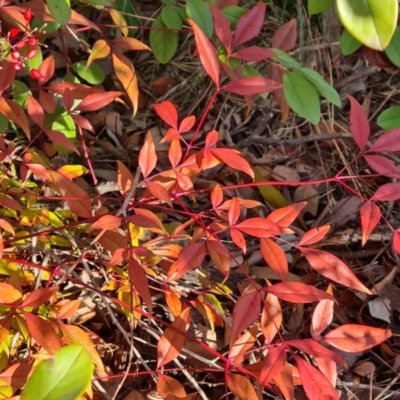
[(128, 198), (291, 142)]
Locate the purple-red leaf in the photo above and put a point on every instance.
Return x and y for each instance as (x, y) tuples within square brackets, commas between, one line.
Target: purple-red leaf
[(370, 215), (359, 125), (222, 28), (251, 86), (297, 292), (382, 165), (254, 53), (285, 37), (387, 192), (249, 24), (389, 141)]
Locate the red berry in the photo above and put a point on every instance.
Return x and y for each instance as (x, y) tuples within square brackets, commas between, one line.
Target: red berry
[(13, 32), (31, 53), (32, 41), (17, 66), (21, 44), (15, 55), (28, 15), (35, 74)]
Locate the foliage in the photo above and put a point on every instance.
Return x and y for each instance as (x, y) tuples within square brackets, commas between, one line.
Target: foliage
[(140, 250)]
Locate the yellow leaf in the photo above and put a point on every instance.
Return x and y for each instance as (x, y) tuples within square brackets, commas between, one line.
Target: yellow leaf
[(100, 50), (119, 20)]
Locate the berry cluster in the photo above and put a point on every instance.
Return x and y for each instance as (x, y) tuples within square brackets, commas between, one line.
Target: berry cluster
[(20, 43)]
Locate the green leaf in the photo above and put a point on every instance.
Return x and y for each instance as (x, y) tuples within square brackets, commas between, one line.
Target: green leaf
[(64, 124), (372, 22), (393, 50), (233, 14), (163, 43), (284, 58), (171, 18), (129, 13), (20, 93), (302, 96), (348, 43), (99, 4), (65, 376), (93, 74), (34, 62), (318, 6), (200, 13), (323, 87), (3, 123), (51, 26), (60, 10), (390, 118)]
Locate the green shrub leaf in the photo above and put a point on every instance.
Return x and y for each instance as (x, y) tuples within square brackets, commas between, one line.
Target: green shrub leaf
[(302, 96), (163, 42), (348, 43), (390, 118), (93, 74), (393, 50), (318, 6), (171, 18), (200, 13), (60, 10)]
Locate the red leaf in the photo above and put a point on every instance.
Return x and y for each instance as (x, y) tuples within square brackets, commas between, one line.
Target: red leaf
[(284, 381), (171, 342), (382, 165), (35, 111), (389, 141), (14, 112), (315, 384), (275, 257), (314, 235), (38, 297), (276, 73), (167, 112), (328, 368), (7, 75), (322, 315), (359, 125), (286, 215), (271, 318), (259, 227), (219, 255), (273, 364), (10, 203), (370, 215), (95, 101), (107, 223), (47, 68), (222, 28), (240, 349), (187, 124), (253, 53), (314, 349), (251, 86), (396, 242), (139, 281), (217, 196), (387, 192), (190, 257), (285, 37), (147, 156), (168, 388), (249, 24), (147, 219), (297, 292), (47, 101), (241, 387), (43, 333), (82, 122), (159, 192), (68, 99), (207, 52), (59, 138), (332, 268), (233, 159), (233, 211), (238, 238), (16, 375), (247, 309), (354, 338)]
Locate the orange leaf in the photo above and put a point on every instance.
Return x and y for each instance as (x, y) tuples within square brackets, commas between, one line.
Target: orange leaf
[(271, 318), (100, 49), (246, 311), (219, 255), (169, 388), (68, 309), (284, 381), (207, 52), (187, 124), (275, 257), (35, 111), (147, 156), (75, 335), (8, 294), (370, 215), (38, 297), (286, 215), (333, 268), (130, 44), (174, 153), (171, 342), (167, 112), (124, 178), (233, 211), (258, 227), (47, 68), (355, 338), (328, 368), (322, 315), (173, 302), (189, 258), (240, 349), (15, 113), (7, 226), (81, 206), (159, 192), (233, 159), (147, 219), (241, 387), (118, 20), (139, 281), (314, 235), (126, 74), (217, 196), (107, 223), (273, 364), (238, 239), (43, 333), (95, 101)]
